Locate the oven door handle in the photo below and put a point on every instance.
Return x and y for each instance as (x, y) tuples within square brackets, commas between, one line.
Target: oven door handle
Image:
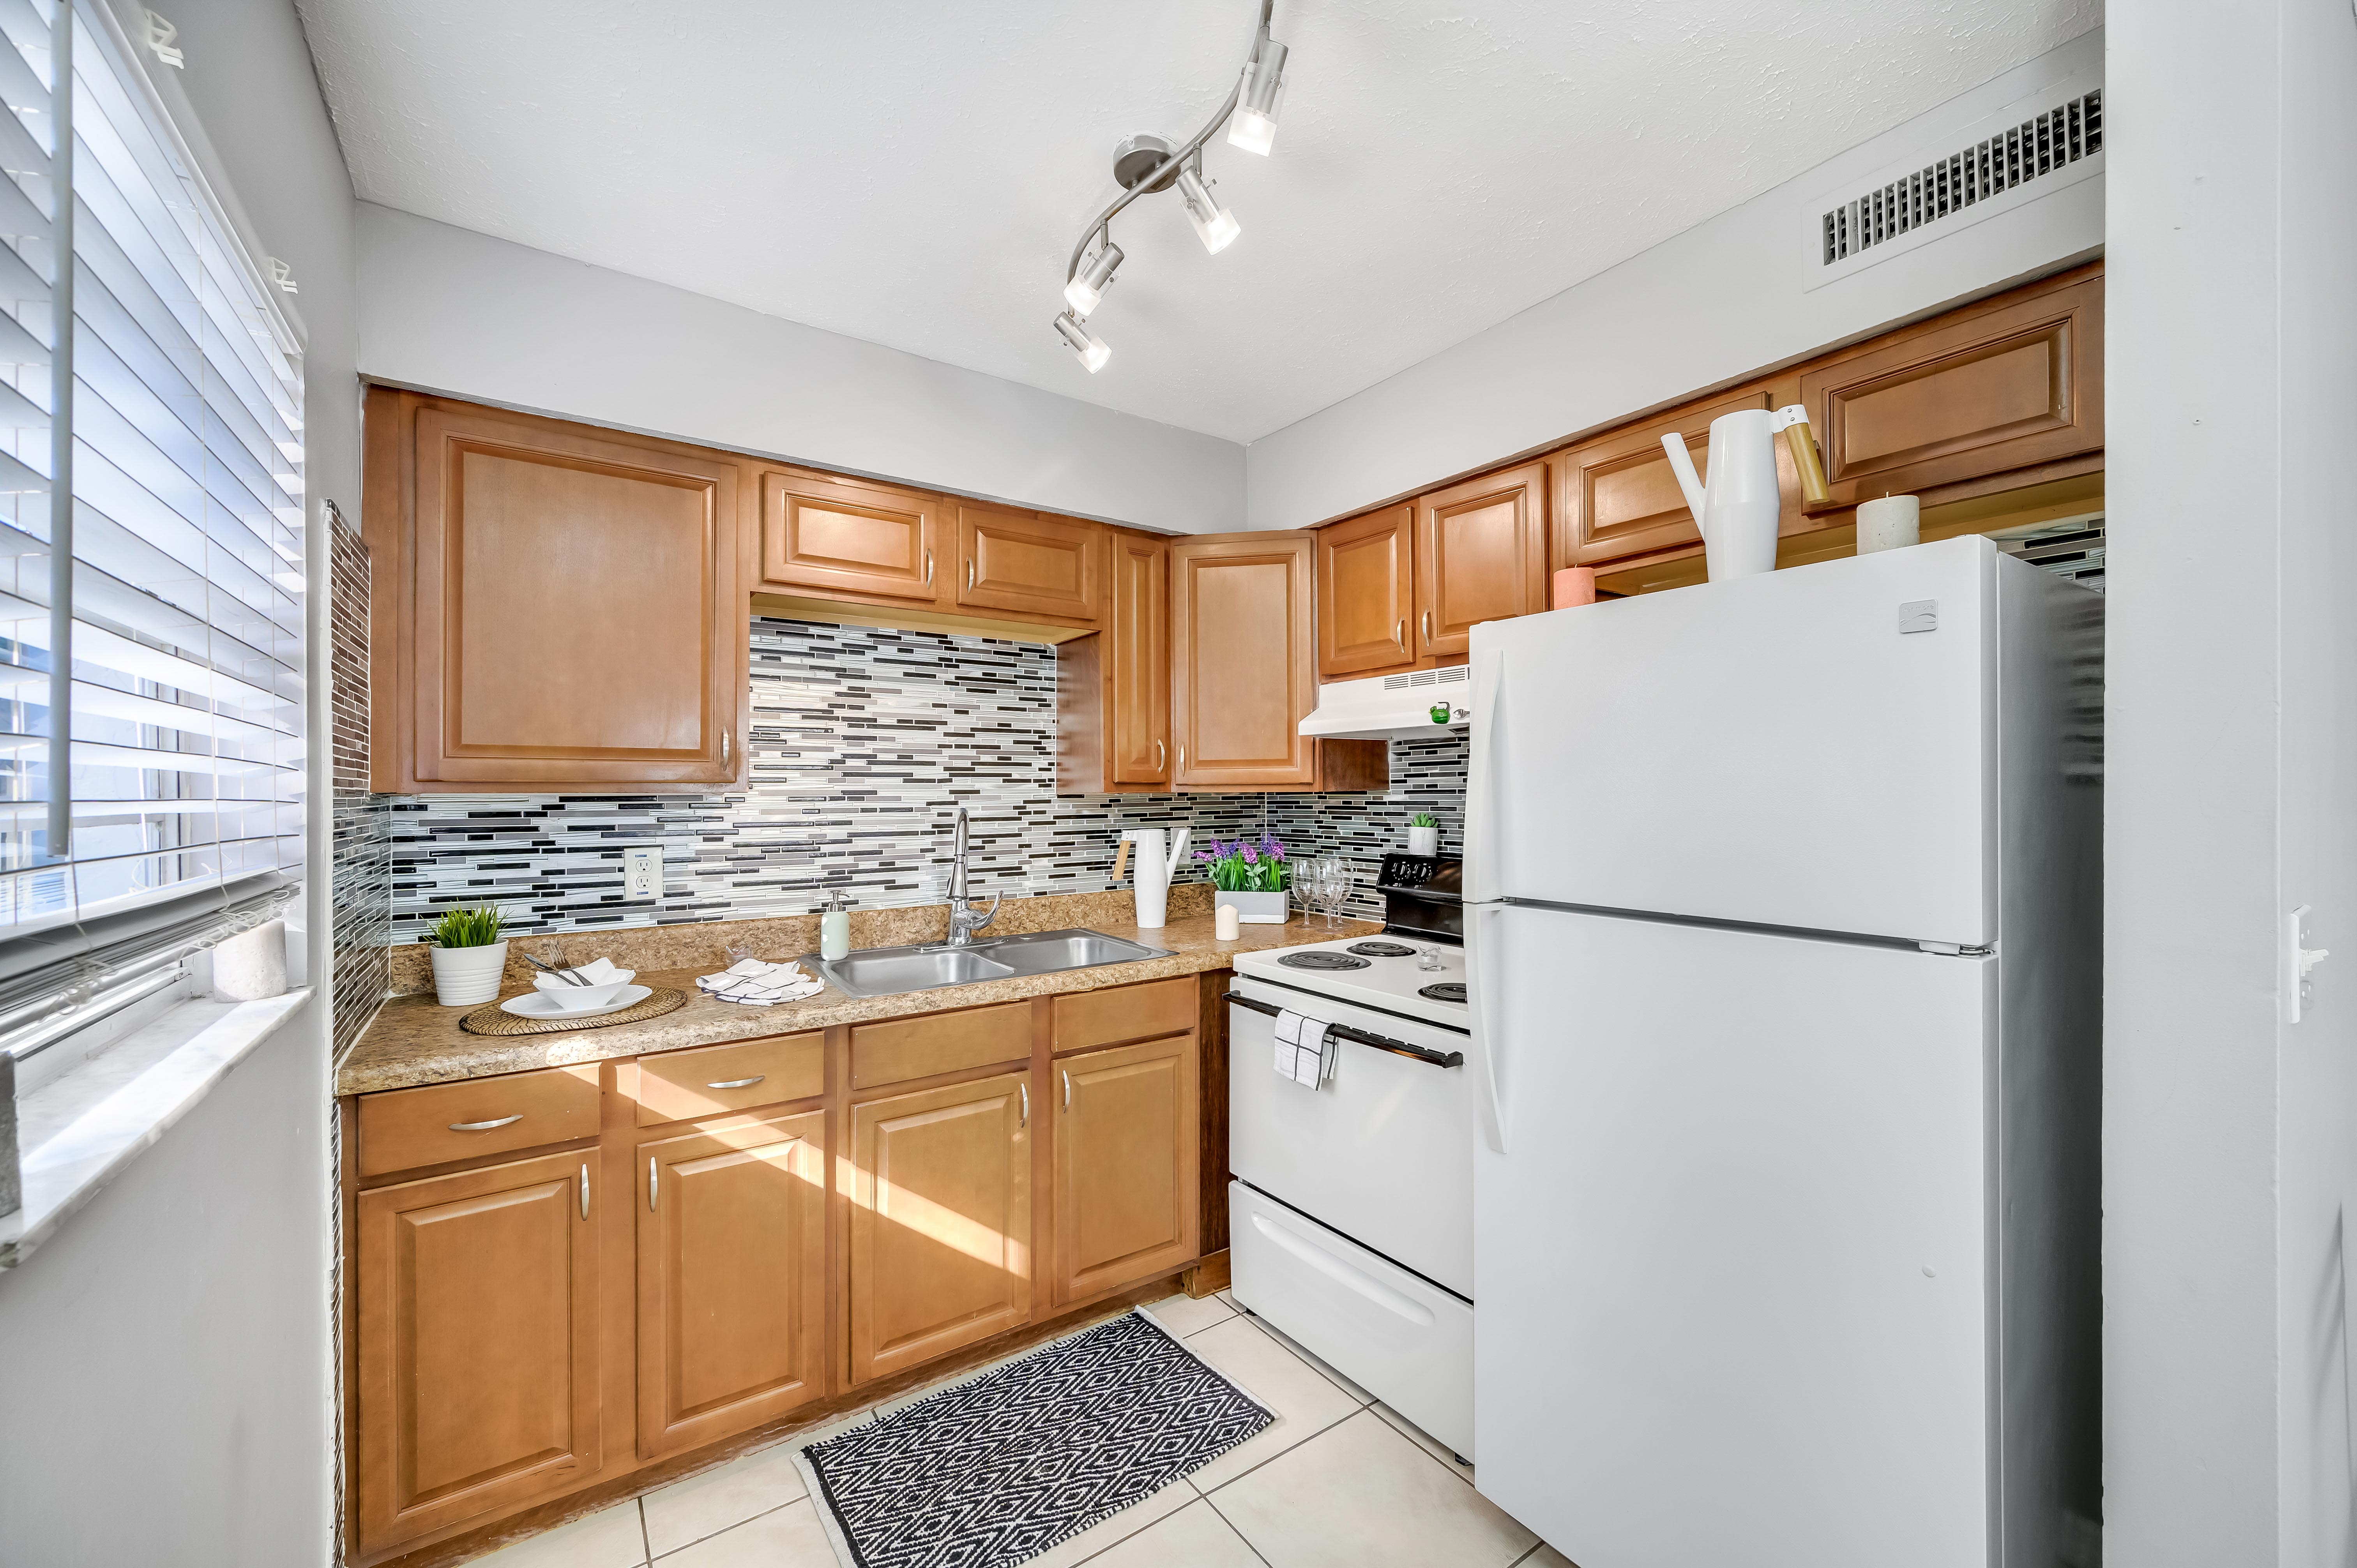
[(1345, 1032)]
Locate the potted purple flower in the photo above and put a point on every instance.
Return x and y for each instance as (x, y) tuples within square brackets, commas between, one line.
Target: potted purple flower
[(1252, 875)]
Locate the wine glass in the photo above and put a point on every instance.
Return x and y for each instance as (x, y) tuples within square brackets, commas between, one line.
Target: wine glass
[(1336, 886), (1304, 885)]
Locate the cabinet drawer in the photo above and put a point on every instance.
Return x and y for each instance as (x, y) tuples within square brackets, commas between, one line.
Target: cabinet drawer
[(1090, 1018), (402, 1129), (945, 1042), (713, 1080)]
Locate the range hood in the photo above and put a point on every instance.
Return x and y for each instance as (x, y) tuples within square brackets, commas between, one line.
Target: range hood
[(1393, 707)]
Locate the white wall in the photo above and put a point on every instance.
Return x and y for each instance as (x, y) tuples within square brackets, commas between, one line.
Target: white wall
[(2230, 1135), (1717, 302), (451, 311), (166, 1369)]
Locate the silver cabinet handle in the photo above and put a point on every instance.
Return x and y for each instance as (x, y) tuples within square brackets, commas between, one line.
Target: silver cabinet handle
[(738, 1083), (929, 568), (1160, 757), (1399, 635), (1428, 626), (727, 736), (1182, 757), (585, 1190), (652, 1176), (1025, 1091), (486, 1126), (969, 576), (1068, 1091)]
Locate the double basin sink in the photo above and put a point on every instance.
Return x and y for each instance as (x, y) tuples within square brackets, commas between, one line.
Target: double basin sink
[(887, 971)]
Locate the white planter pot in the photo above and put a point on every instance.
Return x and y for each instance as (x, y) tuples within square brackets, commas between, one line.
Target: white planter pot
[(1254, 908), (1424, 841), (469, 977)]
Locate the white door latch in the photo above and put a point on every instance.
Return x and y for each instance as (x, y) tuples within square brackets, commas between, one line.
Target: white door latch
[(2297, 960)]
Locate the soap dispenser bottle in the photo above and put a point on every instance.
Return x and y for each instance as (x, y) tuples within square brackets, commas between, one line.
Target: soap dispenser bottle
[(834, 928)]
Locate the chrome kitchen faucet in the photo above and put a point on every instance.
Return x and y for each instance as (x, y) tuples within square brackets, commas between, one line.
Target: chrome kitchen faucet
[(963, 921)]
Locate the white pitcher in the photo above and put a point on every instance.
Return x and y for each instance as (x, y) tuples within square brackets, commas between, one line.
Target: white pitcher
[(1157, 868), (1739, 511)]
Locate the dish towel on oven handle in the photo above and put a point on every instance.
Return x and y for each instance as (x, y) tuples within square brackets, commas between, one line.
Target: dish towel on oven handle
[(1305, 1051)]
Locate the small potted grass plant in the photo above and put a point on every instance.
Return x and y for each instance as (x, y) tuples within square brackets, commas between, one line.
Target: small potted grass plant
[(469, 955), (1252, 875), (1424, 833)]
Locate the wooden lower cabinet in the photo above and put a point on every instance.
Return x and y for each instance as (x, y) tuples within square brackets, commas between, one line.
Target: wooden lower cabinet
[(732, 1279), (476, 1323), (941, 1221), (1125, 1164)]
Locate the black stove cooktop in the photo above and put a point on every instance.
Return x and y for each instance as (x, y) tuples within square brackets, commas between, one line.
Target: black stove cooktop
[(1329, 962), (1447, 990), (1381, 949)]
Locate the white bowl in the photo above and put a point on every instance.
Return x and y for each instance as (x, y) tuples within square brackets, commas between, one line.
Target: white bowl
[(566, 998)]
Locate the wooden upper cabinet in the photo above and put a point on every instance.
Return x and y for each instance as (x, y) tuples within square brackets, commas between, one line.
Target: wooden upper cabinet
[(1480, 555), (556, 609), (1112, 690), (2013, 388), (476, 1330), (840, 537), (1366, 593), (732, 1278), (1617, 496), (941, 1221), (1024, 562), (1243, 666), (1125, 1161)]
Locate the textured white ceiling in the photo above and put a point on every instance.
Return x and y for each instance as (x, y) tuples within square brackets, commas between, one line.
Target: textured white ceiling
[(914, 173)]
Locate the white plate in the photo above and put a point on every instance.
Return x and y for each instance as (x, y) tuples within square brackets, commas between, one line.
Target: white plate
[(536, 1004)]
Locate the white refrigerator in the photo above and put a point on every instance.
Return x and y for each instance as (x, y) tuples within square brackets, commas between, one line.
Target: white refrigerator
[(1783, 930)]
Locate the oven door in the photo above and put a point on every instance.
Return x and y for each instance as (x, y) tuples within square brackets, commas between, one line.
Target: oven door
[(1382, 1153)]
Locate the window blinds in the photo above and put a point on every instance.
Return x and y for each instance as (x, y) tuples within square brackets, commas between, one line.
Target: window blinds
[(186, 708)]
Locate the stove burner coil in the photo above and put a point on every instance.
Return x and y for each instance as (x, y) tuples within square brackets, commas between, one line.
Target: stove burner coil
[(1381, 949), (1322, 961), (1447, 990)]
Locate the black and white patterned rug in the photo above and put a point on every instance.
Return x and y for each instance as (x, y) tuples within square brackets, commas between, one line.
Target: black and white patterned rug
[(991, 1473)]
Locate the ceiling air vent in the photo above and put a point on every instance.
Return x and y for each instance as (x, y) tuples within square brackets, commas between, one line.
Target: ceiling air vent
[(2039, 146)]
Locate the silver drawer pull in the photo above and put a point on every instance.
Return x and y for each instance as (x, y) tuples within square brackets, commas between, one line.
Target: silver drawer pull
[(739, 1083), (485, 1126), (653, 1177)]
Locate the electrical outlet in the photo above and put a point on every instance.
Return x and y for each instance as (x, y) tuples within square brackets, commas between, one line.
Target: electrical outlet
[(642, 873)]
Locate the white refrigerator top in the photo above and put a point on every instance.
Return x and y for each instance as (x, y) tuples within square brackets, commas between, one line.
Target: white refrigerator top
[(1816, 748)]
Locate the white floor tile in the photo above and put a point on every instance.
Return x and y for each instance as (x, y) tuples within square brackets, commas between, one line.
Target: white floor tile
[(1304, 1401), (686, 1511), (1185, 1315), (1120, 1527), (610, 1538), (1544, 1556), (1194, 1537), (789, 1537), (1362, 1496), (1336, 1379), (1417, 1436), (1229, 1296)]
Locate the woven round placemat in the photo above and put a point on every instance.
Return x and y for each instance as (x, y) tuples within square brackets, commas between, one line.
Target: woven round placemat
[(488, 1019)]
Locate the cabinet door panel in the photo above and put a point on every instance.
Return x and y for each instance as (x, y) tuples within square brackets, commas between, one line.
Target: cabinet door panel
[(1243, 664), (1480, 555), (1126, 1165), (576, 608), (732, 1273), (1366, 593), (1963, 399), (1015, 561), (1617, 497), (941, 1221), (1141, 661), (857, 539), (478, 1344)]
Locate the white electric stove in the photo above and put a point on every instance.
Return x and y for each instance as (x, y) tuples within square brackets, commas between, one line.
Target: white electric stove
[(1351, 1204)]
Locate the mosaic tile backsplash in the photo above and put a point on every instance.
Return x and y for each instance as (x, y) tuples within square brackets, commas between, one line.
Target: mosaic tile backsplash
[(361, 863), (864, 743)]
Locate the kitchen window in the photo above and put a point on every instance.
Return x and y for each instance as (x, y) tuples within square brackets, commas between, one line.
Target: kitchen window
[(177, 811)]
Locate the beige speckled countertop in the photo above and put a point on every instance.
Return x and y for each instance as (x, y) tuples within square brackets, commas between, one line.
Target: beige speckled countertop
[(413, 1041)]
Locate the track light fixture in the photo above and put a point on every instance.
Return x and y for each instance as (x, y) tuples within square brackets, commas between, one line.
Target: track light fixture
[(1144, 165)]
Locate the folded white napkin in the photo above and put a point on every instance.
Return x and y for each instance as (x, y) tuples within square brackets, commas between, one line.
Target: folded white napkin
[(599, 971), (1305, 1051), (756, 984)]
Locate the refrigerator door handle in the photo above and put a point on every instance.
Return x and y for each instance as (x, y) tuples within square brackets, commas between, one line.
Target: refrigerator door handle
[(1482, 779), (1478, 944)]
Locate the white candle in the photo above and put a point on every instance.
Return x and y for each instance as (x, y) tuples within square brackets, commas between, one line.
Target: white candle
[(1892, 523), (1228, 925)]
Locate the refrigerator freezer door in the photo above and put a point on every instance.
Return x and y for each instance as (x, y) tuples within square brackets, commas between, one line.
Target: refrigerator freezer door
[(1807, 748), (1731, 1268)]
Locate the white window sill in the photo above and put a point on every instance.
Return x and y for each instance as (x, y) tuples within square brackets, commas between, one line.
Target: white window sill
[(79, 1132)]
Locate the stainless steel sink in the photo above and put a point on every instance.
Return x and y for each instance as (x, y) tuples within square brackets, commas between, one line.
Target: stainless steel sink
[(885, 971)]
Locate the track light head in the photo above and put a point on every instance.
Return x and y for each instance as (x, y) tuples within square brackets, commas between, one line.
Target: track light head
[(1092, 349), (1254, 125), (1087, 287), (1215, 224)]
